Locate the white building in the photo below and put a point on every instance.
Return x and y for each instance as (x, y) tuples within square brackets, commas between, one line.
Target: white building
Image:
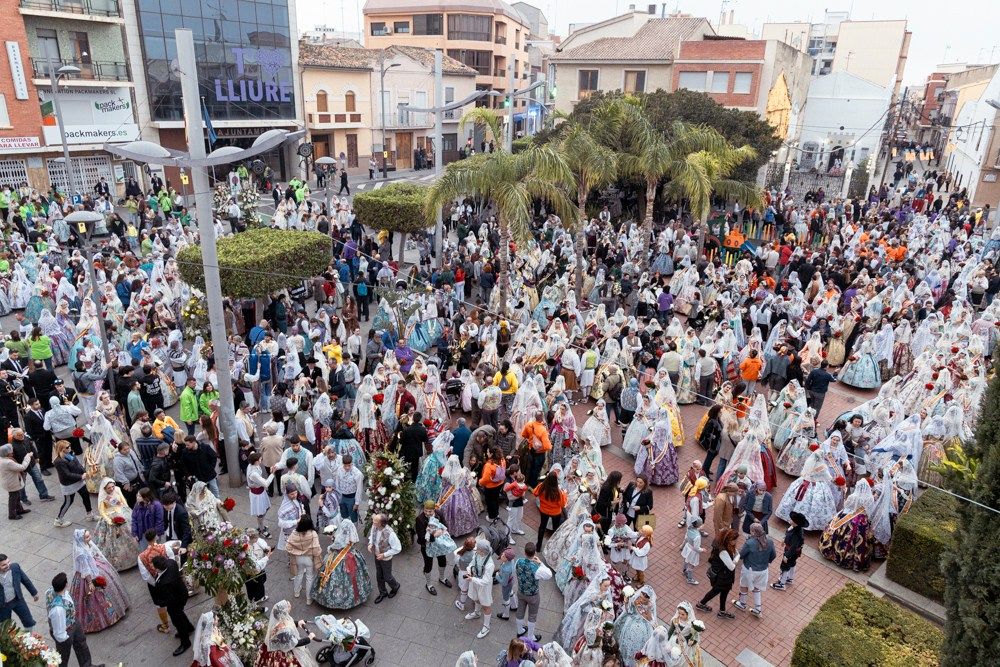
[(974, 160), (843, 120)]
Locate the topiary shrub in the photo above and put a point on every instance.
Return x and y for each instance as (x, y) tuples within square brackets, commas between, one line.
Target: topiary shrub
[(856, 629), (919, 540), (259, 262), (398, 207)]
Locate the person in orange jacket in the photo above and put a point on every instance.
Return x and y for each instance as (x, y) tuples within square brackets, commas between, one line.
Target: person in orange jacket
[(750, 370)]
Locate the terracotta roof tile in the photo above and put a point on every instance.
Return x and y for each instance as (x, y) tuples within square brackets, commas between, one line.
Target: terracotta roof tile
[(345, 57), (656, 40)]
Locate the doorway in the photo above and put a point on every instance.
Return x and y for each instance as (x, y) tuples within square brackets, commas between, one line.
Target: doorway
[(352, 150), (404, 150)]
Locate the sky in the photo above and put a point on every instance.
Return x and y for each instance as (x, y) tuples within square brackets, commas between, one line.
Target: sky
[(958, 33)]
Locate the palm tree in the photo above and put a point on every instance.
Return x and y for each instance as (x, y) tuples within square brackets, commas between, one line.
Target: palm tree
[(487, 117), (593, 165), (512, 182), (695, 160)]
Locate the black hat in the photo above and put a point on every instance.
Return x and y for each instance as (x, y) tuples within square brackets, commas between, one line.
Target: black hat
[(799, 519), (58, 382)]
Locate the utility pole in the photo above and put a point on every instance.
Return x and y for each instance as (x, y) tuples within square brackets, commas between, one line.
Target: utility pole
[(209, 251), (54, 78), (438, 153), (509, 140)]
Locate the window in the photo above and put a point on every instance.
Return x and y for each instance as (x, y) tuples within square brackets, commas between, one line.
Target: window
[(477, 60), (401, 27), (322, 105), (742, 82), (449, 94), (4, 116), (588, 83), (692, 81), (48, 43), (449, 142), (350, 102), (428, 24), (378, 29), (635, 81), (720, 82), (470, 27)]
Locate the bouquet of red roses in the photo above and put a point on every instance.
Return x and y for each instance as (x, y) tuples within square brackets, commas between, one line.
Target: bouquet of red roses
[(118, 520), (100, 582), (228, 504), (578, 572)]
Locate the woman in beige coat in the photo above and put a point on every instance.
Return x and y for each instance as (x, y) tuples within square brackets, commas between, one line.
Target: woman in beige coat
[(12, 478), (304, 555)]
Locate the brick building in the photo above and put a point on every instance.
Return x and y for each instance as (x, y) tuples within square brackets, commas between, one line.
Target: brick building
[(20, 115)]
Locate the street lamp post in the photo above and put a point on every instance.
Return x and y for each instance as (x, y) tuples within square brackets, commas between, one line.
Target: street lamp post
[(381, 102), (54, 76), (86, 223), (326, 161)]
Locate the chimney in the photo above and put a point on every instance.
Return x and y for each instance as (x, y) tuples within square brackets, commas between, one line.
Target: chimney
[(651, 10)]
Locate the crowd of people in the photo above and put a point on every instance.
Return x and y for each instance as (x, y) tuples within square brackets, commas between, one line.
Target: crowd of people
[(893, 292)]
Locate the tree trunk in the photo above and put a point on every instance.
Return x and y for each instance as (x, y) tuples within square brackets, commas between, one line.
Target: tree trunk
[(581, 246), (402, 250), (647, 221), (702, 234), (503, 273)]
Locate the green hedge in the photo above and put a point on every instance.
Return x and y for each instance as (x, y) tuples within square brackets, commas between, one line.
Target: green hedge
[(856, 629), (919, 541), (263, 261), (398, 207)]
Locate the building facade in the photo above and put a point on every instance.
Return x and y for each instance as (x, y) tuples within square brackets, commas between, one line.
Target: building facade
[(487, 35), (974, 160), (634, 52), (95, 94), (350, 116), (246, 54)]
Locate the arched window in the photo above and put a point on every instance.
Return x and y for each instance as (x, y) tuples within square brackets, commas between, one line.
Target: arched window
[(321, 102), (350, 102)]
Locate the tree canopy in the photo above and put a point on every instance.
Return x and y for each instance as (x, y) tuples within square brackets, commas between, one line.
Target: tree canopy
[(398, 207), (663, 109), (259, 262)]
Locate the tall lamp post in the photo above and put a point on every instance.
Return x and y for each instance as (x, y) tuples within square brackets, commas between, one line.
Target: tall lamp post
[(326, 161), (54, 76), (86, 223), (381, 103)]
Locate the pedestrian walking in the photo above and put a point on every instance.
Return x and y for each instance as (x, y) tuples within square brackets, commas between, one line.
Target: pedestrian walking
[(721, 571), (757, 553), (12, 580), (384, 545), (63, 626), (303, 547), (529, 571), (72, 483), (171, 590), (12, 473)]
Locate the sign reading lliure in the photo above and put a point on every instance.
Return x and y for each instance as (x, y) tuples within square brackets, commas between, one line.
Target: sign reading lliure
[(270, 61)]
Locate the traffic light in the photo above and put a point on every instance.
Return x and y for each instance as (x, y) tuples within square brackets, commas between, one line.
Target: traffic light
[(506, 102), (552, 92)]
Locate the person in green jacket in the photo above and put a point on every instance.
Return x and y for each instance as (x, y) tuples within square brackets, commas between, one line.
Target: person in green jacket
[(208, 394), (134, 401), (41, 347), (189, 406)]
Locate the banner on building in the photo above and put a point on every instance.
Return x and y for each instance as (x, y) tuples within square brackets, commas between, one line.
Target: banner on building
[(89, 117)]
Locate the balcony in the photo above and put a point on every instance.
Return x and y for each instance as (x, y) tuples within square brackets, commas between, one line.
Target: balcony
[(325, 118), (92, 71), (92, 8), (405, 120), (501, 40)]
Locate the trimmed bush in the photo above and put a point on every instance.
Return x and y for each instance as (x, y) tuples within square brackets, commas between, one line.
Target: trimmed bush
[(856, 629), (398, 207), (247, 260), (919, 541)]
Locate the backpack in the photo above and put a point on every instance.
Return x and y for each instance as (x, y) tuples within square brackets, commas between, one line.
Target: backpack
[(499, 474), (362, 289), (504, 383)]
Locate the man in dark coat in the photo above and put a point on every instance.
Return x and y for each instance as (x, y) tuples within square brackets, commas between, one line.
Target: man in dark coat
[(170, 589), (412, 441)]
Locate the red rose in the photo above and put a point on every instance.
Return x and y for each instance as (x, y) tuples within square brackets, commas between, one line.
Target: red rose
[(100, 582), (837, 334), (954, 349), (378, 398), (871, 482), (813, 447), (428, 423), (118, 520), (423, 377), (929, 386), (228, 504), (857, 318), (935, 375), (441, 470), (206, 557), (578, 572), (840, 481), (595, 517), (78, 432), (350, 424), (228, 542), (787, 404), (997, 323), (215, 570)]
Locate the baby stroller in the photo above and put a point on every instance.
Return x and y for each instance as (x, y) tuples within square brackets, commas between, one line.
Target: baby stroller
[(453, 393), (348, 642), (497, 534)]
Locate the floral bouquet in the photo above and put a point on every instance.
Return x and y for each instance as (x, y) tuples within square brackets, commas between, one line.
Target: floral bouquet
[(25, 649), (390, 492), (118, 520), (228, 504), (578, 572), (100, 582), (243, 626), (220, 561), (194, 318)]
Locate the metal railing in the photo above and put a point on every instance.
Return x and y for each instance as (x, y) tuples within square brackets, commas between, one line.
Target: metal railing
[(95, 7), (406, 119), (501, 40), (92, 71), (329, 117)]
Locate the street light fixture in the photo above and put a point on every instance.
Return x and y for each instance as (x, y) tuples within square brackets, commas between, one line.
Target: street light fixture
[(65, 70), (91, 228), (326, 161), (381, 102)]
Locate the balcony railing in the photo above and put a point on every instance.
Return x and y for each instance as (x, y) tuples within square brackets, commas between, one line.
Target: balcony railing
[(326, 118), (405, 120), (501, 40), (92, 71), (94, 7)]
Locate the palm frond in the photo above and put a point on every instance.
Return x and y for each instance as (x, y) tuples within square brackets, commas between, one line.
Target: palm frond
[(483, 116)]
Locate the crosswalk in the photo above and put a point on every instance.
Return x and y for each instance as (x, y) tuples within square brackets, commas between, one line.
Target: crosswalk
[(375, 185)]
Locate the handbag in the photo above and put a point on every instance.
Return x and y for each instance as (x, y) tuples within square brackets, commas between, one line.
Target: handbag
[(645, 520)]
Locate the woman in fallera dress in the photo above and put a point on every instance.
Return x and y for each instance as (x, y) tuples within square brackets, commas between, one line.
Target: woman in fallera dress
[(456, 502), (812, 494), (210, 647), (113, 534), (849, 541), (657, 458), (282, 645), (206, 511), (634, 626), (343, 581), (97, 606)]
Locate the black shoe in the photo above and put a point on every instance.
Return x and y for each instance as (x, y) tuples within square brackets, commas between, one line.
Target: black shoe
[(393, 592), (26, 511), (47, 499), (14, 518), (46, 472), (180, 650), (503, 618), (445, 583), (381, 596), (26, 502), (431, 589)]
